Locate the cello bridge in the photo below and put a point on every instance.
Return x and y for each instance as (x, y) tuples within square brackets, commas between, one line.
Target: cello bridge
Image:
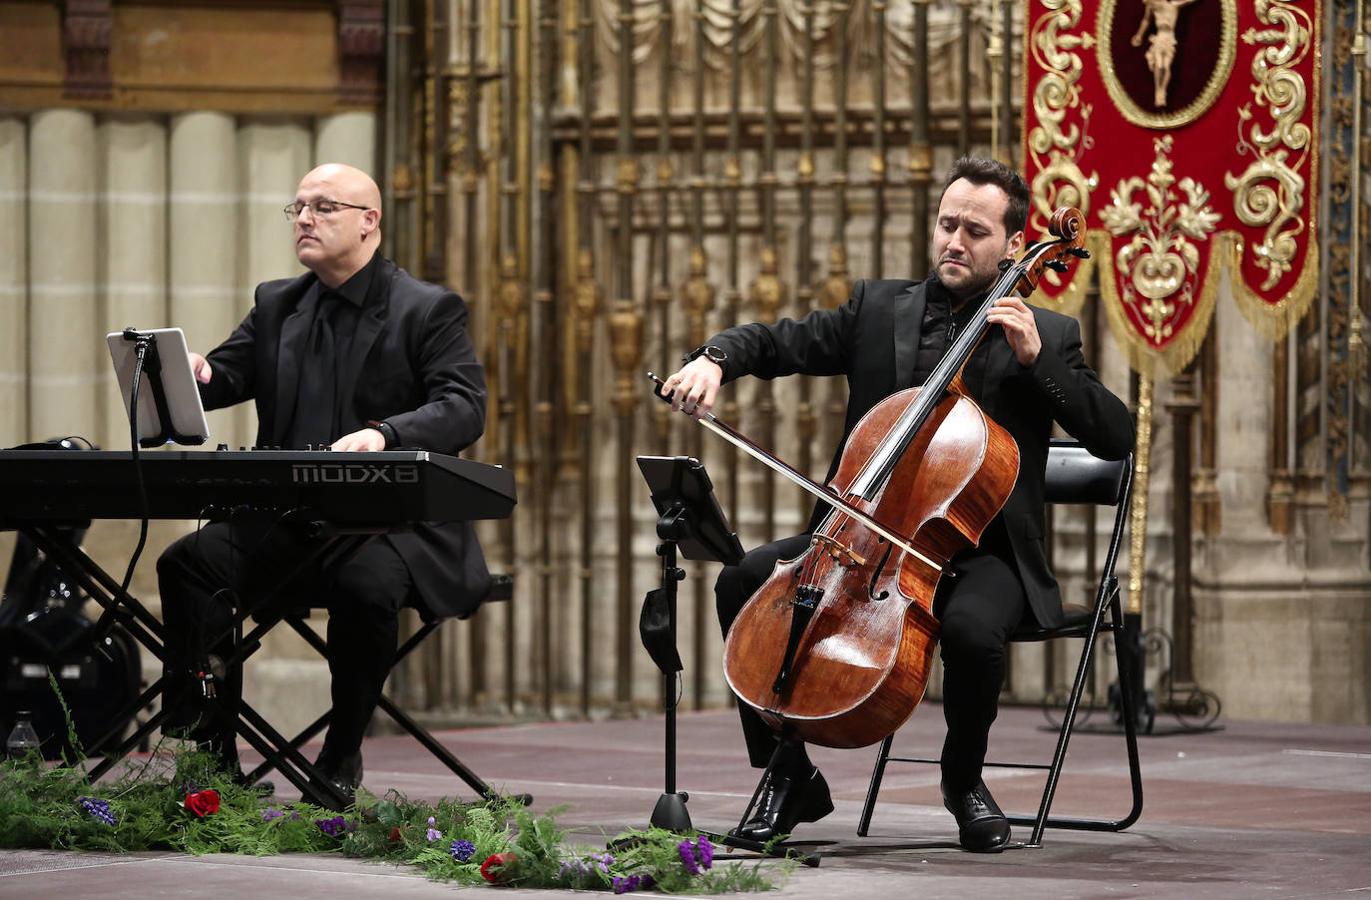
[(839, 551)]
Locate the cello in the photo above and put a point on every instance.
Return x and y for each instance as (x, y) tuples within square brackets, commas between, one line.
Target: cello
[(836, 646)]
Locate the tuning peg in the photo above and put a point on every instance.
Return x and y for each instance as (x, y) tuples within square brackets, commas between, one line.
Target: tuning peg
[(1056, 265), (1080, 252)]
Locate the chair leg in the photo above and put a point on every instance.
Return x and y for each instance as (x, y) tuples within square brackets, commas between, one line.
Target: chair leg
[(445, 756), (287, 760), (296, 743), (125, 747), (124, 716), (1083, 669), (1043, 820), (1130, 726), (874, 787), (401, 718)]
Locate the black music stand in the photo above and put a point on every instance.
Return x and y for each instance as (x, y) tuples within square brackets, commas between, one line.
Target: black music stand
[(689, 520)]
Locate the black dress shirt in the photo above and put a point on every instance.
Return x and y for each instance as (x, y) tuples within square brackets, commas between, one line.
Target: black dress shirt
[(941, 326)]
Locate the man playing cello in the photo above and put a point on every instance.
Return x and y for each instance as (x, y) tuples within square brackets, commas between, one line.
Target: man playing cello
[(1025, 374)]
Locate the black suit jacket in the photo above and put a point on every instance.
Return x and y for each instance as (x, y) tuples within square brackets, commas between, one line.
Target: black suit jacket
[(411, 364), (873, 340)]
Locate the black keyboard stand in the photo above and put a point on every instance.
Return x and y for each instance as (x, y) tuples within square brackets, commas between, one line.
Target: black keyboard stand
[(342, 500), (128, 611)]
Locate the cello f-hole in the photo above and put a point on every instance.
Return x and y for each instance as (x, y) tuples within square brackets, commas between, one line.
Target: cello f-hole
[(876, 572)]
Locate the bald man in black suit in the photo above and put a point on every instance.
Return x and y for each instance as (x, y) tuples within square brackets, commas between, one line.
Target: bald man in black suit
[(356, 355)]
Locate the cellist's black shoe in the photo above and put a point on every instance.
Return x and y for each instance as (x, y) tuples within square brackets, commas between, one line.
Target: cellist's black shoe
[(981, 826), (787, 799)]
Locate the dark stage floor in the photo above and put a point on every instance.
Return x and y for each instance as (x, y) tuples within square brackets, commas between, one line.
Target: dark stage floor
[(1253, 810)]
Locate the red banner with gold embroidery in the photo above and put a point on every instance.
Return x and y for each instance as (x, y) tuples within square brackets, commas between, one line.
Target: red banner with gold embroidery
[(1186, 131)]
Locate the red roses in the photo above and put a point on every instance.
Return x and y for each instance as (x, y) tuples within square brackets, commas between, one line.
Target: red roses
[(203, 803), (496, 867)]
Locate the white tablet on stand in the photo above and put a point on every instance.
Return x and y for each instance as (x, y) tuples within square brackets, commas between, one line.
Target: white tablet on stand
[(169, 407)]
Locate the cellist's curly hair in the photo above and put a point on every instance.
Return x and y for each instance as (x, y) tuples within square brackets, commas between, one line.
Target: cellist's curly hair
[(979, 170)]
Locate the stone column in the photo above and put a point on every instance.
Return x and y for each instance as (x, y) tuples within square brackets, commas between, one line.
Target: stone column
[(1244, 426), (290, 683), (14, 290), (203, 212), (274, 156), (68, 362), (1258, 612), (133, 221), (347, 138)]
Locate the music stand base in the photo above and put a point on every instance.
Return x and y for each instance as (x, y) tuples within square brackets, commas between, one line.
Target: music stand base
[(671, 814)]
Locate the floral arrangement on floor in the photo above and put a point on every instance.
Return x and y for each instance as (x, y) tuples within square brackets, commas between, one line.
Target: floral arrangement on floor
[(180, 802)]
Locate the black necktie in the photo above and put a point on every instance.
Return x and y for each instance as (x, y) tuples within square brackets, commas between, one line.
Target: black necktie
[(316, 406)]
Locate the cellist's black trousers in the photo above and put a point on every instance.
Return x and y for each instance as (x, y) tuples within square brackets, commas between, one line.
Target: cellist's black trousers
[(978, 610)]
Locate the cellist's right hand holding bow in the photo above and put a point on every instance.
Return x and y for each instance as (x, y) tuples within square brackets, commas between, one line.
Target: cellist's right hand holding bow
[(694, 386)]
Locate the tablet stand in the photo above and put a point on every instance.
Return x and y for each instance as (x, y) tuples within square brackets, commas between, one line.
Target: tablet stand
[(148, 363)]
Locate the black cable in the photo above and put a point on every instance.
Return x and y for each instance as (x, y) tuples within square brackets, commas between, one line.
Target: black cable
[(671, 703), (141, 349), (58, 443), (106, 620)]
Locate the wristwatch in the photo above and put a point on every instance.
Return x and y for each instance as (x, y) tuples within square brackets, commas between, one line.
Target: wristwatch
[(387, 432), (710, 352)]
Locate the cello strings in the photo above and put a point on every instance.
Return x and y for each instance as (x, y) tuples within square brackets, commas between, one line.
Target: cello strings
[(879, 468), (709, 421)]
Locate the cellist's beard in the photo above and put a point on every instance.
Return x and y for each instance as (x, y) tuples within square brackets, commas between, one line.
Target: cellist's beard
[(974, 282)]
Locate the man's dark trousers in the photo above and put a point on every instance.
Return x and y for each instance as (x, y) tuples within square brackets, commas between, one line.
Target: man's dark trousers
[(202, 576)]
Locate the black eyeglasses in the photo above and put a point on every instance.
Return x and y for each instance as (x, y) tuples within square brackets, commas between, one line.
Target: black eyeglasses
[(323, 207)]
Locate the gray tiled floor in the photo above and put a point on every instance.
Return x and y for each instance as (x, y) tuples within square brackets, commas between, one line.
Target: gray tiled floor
[(1253, 810)]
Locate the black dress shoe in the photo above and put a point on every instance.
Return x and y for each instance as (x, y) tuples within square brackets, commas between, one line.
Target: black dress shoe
[(981, 826), (344, 776), (787, 799)]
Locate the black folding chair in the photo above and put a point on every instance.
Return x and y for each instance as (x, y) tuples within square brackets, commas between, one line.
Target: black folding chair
[(1074, 476), (284, 754)]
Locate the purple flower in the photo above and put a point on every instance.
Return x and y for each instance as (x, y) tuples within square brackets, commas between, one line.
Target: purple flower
[(706, 851), (696, 855), (462, 851), (272, 812), (687, 851), (627, 884), (433, 834), (98, 810), (602, 861), (332, 827), (571, 867)]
